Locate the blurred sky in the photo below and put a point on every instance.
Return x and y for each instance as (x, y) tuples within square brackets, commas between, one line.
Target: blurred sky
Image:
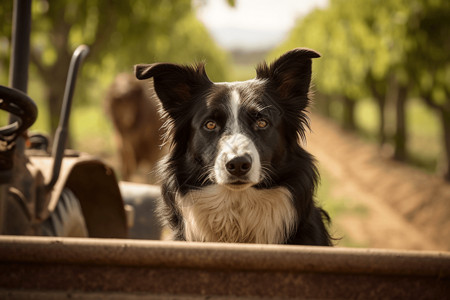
[(253, 24)]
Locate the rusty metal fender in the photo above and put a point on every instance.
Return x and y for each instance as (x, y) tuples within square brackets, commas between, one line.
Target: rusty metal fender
[(95, 185)]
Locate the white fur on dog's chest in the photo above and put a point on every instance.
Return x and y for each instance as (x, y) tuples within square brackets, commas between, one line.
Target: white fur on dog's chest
[(217, 214)]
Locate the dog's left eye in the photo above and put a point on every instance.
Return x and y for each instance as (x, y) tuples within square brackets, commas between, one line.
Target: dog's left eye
[(210, 125), (262, 123)]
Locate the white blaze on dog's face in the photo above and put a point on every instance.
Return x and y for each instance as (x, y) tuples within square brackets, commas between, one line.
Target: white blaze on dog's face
[(237, 165)]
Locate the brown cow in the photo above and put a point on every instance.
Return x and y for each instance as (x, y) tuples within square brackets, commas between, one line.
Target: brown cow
[(134, 111)]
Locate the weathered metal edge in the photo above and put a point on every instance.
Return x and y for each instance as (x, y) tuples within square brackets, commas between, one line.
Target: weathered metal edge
[(160, 254)]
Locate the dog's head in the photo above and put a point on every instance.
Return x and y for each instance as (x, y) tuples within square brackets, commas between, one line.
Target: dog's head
[(234, 134)]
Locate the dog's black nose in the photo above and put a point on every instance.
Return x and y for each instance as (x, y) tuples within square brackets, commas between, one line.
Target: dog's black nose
[(240, 165)]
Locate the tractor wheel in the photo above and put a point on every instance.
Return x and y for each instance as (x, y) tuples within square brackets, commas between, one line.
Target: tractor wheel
[(67, 219)]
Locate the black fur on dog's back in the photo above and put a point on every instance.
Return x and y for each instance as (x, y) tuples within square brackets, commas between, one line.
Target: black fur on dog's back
[(187, 94)]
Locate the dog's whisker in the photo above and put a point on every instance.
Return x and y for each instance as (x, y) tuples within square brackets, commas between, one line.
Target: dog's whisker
[(267, 175)]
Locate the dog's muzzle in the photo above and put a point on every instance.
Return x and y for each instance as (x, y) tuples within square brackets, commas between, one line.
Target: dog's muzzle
[(237, 162)]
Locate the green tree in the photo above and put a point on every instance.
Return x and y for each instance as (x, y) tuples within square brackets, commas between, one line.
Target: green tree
[(340, 73), (389, 51), (428, 61), (119, 33)]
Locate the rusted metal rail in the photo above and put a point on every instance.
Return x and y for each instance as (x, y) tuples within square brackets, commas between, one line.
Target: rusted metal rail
[(50, 268)]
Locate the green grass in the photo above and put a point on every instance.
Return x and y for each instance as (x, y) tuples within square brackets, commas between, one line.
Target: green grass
[(339, 207), (425, 142), (92, 131), (424, 132), (366, 115)]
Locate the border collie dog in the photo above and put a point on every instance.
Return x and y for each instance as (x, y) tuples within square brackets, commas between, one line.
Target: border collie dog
[(236, 171)]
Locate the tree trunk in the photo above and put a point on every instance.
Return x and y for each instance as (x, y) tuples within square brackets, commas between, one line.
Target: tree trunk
[(381, 101), (400, 152), (349, 113), (445, 118), (444, 113), (379, 94)]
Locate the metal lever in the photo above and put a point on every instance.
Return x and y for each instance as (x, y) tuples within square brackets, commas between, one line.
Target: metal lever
[(62, 130)]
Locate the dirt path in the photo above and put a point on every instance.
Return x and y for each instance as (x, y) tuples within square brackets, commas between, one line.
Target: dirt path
[(406, 208)]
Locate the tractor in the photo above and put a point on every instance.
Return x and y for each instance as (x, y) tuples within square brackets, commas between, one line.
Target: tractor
[(60, 192)]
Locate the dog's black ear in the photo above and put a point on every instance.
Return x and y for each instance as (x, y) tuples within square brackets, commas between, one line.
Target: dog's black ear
[(290, 74), (174, 84)]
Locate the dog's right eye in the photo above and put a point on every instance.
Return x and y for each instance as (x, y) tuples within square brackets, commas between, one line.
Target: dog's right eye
[(210, 125)]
